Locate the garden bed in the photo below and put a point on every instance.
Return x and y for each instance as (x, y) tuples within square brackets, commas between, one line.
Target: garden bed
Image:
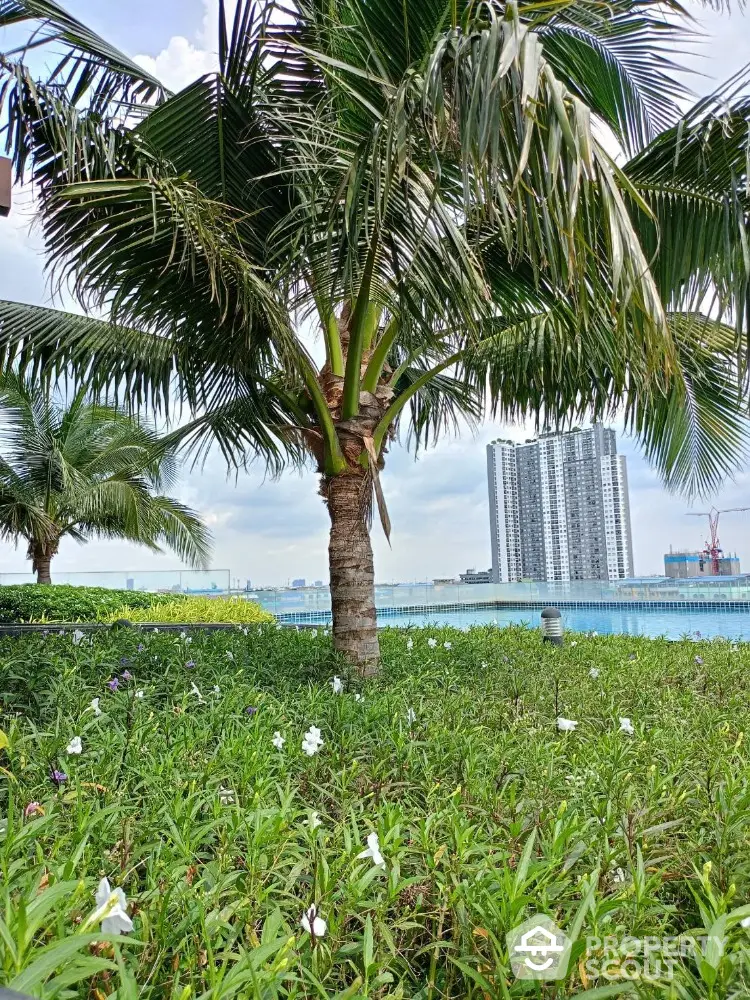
[(192, 791)]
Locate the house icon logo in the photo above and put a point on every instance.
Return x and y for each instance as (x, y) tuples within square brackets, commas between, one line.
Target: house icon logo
[(538, 949)]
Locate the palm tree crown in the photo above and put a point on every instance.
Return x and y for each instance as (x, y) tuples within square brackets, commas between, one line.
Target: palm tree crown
[(424, 180), (86, 470)]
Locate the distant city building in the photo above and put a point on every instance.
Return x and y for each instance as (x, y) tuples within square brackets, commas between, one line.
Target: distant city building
[(318, 583), (559, 508), (476, 576), (441, 581), (682, 565), (298, 583)]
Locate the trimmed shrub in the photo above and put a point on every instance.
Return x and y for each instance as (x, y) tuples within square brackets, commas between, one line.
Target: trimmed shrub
[(28, 602), (197, 610)]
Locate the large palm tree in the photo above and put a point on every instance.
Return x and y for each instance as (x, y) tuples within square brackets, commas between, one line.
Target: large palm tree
[(420, 181), (85, 470)]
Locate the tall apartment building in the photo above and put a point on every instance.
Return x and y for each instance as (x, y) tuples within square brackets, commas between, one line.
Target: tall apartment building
[(559, 508)]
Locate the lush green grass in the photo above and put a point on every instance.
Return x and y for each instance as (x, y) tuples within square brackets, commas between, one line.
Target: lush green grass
[(485, 812)]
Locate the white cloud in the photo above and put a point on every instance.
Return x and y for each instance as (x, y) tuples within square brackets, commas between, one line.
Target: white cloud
[(179, 64)]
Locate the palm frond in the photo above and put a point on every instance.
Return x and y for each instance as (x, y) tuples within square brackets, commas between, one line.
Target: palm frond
[(113, 360), (696, 433), (90, 65), (693, 179)]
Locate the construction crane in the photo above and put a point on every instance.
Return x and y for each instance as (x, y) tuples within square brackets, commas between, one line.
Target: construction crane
[(713, 548)]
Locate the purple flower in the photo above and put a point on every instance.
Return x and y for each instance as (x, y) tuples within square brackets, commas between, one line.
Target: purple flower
[(699, 660), (58, 777), (141, 647), (113, 684), (33, 809), (251, 710), (126, 675), (632, 656), (124, 661), (190, 665)]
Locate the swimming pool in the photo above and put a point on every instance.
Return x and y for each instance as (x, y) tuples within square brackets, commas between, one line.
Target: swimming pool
[(673, 623)]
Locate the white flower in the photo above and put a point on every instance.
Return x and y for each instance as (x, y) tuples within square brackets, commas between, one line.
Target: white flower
[(313, 924), (94, 706), (78, 635), (566, 725), (312, 742), (447, 645), (314, 822), (411, 716), (139, 693), (75, 746), (593, 673), (626, 726), (432, 643), (156, 630), (594, 635), (115, 906), (338, 685), (226, 796), (358, 696), (410, 644), (574, 642), (216, 689), (618, 875), (326, 633), (373, 851), (278, 740), (483, 665), (194, 689), (313, 633), (230, 654), (745, 923)]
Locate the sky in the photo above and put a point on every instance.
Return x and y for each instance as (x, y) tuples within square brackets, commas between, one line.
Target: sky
[(272, 531)]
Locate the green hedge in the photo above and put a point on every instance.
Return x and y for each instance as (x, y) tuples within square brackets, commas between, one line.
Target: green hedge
[(60, 603)]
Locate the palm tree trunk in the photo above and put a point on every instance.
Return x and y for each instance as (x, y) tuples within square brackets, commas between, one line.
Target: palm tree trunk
[(42, 565), (41, 560), (352, 570)]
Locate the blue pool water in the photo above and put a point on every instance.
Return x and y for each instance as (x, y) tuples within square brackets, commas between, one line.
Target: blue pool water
[(652, 622)]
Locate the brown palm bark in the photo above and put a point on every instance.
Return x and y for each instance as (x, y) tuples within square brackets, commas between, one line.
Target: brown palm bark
[(41, 554), (352, 570)]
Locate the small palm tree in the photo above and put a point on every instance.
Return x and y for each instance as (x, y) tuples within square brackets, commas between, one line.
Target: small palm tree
[(83, 470)]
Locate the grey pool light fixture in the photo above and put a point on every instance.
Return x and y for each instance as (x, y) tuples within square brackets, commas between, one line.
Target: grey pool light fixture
[(552, 628)]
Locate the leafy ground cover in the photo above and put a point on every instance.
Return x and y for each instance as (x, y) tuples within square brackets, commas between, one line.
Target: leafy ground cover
[(49, 605), (227, 782), (197, 610), (30, 602)]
